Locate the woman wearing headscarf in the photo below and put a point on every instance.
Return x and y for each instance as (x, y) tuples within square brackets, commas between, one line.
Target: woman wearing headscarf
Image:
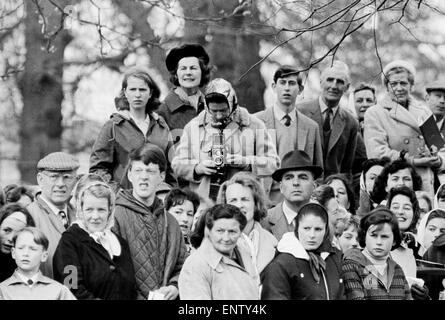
[(134, 124), (306, 266), (189, 70), (90, 258), (392, 126)]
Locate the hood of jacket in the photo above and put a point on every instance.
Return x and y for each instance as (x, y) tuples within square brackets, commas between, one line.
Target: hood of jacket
[(289, 243), (122, 115), (126, 199)]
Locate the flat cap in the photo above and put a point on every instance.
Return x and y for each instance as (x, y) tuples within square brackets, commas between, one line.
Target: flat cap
[(436, 85), (58, 161)]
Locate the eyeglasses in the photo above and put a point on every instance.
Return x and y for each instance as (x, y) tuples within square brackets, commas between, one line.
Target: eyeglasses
[(66, 177)]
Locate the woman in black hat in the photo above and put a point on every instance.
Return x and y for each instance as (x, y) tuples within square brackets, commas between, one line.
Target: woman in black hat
[(189, 71)]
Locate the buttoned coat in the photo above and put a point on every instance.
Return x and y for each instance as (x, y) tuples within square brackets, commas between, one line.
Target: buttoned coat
[(308, 136), (390, 128), (245, 135), (340, 155)]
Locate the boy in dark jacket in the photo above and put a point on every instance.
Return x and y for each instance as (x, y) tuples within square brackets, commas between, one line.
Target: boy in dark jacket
[(154, 236)]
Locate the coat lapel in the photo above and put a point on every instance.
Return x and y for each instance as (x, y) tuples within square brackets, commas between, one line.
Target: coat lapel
[(269, 121), (55, 221), (400, 114), (302, 132), (338, 126)]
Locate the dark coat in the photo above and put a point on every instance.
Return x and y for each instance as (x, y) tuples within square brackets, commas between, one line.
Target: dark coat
[(176, 113), (156, 243), (340, 155), (289, 277), (98, 276), (119, 136), (435, 253), (7, 266)]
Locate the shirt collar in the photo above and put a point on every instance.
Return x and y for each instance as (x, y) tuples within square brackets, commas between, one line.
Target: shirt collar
[(324, 107), (53, 208), (289, 213), (279, 114)]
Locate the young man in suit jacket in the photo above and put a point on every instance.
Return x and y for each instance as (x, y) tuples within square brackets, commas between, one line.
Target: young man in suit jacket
[(290, 129), (338, 127)]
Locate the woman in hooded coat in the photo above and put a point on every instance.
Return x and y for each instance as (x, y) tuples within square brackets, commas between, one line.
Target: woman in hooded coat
[(306, 266)]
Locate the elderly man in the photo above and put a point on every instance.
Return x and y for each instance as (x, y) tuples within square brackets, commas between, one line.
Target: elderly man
[(289, 128), (51, 209), (296, 179), (221, 141), (435, 99), (338, 127)]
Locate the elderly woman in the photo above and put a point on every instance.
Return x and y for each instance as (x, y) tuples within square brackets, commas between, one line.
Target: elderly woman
[(244, 191), (392, 126), (13, 218), (134, 124), (306, 267), (219, 269), (189, 70), (90, 256)]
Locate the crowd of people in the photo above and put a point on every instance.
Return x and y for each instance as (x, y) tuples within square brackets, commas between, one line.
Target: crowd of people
[(195, 198)]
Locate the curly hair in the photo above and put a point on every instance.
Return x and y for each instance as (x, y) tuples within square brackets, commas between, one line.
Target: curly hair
[(404, 190), (379, 193), (249, 180), (153, 102)]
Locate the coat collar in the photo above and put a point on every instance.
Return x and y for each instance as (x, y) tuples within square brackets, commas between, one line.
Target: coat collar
[(213, 257), (119, 117), (173, 102), (289, 243), (56, 222)]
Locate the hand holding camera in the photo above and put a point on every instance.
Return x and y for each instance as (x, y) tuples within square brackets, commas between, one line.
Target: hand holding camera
[(206, 167)]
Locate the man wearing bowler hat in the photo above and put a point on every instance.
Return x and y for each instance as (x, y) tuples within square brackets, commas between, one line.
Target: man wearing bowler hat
[(435, 99), (51, 210), (297, 177)]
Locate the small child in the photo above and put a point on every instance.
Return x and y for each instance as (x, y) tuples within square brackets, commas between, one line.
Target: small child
[(27, 283), (347, 238)]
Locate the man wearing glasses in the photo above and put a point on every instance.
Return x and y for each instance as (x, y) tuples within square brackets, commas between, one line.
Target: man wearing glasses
[(51, 210)]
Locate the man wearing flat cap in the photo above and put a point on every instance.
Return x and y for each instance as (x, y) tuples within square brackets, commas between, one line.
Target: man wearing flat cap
[(338, 127), (189, 70), (296, 177), (51, 210), (435, 99)]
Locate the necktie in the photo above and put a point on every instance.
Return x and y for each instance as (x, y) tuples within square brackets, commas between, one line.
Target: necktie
[(64, 218), (287, 120), (30, 282), (327, 120)]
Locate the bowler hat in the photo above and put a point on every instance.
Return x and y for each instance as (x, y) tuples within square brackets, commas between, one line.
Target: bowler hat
[(187, 50), (297, 160), (58, 161), (436, 85)]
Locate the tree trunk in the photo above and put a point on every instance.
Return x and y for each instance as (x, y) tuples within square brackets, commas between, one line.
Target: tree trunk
[(232, 48), (41, 88)]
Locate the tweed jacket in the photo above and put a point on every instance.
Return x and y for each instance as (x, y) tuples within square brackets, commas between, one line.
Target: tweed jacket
[(275, 222), (342, 145)]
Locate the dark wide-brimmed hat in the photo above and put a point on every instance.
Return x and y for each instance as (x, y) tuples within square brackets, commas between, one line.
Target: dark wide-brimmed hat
[(187, 50), (435, 86), (297, 160)]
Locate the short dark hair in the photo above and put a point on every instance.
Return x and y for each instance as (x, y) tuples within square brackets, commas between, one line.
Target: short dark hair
[(404, 190), (9, 209), (152, 103), (177, 196), (380, 215), (286, 71), (364, 86), (215, 97), (349, 193), (441, 192), (369, 163), (435, 213), (205, 73), (378, 193), (148, 153), (39, 236), (14, 193)]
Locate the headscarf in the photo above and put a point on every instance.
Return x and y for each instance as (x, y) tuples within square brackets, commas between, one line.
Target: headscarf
[(317, 263), (106, 238), (421, 231)]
